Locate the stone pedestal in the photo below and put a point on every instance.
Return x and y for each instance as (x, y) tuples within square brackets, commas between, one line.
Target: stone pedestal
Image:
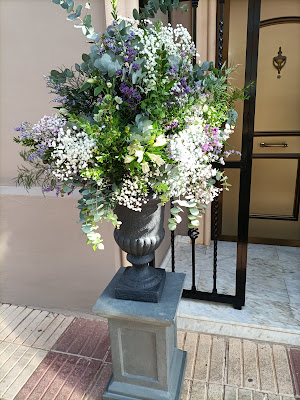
[(146, 362)]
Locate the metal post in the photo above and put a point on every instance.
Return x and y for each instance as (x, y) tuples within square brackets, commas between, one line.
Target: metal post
[(247, 145), (194, 23)]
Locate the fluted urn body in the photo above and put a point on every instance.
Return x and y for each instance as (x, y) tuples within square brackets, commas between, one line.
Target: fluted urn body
[(139, 235)]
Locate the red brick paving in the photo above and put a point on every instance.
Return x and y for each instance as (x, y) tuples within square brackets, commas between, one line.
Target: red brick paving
[(74, 368), (61, 377), (294, 358), (84, 337)]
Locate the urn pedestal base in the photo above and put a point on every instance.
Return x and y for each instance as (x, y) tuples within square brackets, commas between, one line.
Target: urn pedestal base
[(133, 286), (147, 365)]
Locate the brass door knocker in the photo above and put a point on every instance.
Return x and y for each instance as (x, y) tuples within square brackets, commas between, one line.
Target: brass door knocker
[(279, 62)]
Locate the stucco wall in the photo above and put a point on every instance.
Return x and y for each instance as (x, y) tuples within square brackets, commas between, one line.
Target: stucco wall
[(44, 261)]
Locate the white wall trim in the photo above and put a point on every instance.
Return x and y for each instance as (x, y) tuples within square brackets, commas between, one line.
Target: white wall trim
[(35, 191)]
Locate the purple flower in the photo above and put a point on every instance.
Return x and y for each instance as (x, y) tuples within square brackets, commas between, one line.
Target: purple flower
[(135, 66)]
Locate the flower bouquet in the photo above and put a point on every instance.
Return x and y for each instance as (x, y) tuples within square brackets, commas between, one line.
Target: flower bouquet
[(137, 116)]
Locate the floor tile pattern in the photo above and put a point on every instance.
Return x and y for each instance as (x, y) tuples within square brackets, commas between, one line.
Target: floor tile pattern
[(76, 367), (294, 356), (222, 368), (272, 290), (68, 358)]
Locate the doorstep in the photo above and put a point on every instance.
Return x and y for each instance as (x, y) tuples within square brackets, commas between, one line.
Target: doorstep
[(271, 312)]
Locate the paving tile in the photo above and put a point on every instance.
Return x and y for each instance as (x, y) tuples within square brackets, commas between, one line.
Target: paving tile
[(230, 393), (203, 358), (85, 337), (180, 339), (294, 359), (60, 376), (186, 390), (267, 378), (284, 381), (21, 372), (8, 316), (3, 307), (272, 396), (6, 312), (69, 388), (36, 377), (97, 389), (215, 392), (18, 331), (85, 380), (34, 329), (217, 361), (190, 345), (9, 327), (244, 394), (234, 367), (198, 391), (53, 332), (259, 395), (250, 366)]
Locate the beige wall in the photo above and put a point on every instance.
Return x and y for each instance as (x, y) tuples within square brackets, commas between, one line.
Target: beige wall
[(44, 261)]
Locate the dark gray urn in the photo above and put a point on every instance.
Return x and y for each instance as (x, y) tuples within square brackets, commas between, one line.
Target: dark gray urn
[(139, 235)]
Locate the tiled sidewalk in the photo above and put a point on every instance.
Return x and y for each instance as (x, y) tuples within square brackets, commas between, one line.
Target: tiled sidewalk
[(46, 356)]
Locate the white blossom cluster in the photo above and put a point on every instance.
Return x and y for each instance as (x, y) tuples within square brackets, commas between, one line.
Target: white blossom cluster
[(194, 168), (72, 151), (177, 42), (132, 194)]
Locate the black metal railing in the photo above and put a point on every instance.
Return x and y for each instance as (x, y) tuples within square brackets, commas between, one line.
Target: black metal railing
[(238, 300)]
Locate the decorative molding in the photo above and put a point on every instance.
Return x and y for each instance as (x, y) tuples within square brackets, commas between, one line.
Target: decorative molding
[(35, 192), (279, 20), (288, 156), (295, 215), (276, 133)]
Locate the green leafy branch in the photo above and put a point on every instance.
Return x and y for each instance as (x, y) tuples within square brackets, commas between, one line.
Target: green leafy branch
[(152, 7), (75, 14)]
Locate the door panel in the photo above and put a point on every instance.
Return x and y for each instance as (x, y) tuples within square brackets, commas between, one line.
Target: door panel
[(274, 187)]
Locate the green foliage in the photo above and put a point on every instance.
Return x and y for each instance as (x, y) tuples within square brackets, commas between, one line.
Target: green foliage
[(37, 175), (153, 6), (75, 15)]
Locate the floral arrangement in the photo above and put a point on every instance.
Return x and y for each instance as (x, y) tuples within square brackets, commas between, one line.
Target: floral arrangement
[(137, 116)]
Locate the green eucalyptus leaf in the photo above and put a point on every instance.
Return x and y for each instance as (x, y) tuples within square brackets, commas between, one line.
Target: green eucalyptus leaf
[(135, 14), (78, 10), (194, 211), (175, 210), (172, 227), (112, 69), (195, 222), (71, 6), (56, 1), (87, 20), (87, 228), (205, 66), (94, 36), (85, 57)]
